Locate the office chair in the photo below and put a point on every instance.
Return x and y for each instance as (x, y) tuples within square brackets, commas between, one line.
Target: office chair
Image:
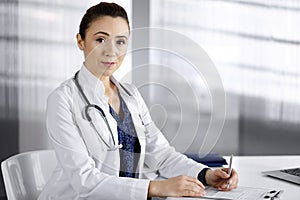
[(26, 174)]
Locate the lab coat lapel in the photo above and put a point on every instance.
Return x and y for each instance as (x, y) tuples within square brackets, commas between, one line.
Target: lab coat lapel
[(133, 107)]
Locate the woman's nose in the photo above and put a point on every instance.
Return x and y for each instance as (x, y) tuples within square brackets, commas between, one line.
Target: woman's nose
[(110, 49)]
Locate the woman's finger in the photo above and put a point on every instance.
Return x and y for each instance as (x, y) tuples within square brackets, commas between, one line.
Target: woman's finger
[(232, 182), (233, 178), (221, 173), (196, 181), (187, 186), (232, 186), (192, 187), (189, 193)]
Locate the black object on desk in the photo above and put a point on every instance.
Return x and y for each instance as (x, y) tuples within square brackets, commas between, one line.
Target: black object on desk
[(211, 159)]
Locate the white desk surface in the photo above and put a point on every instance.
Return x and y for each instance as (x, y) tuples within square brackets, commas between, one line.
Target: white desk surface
[(250, 167)]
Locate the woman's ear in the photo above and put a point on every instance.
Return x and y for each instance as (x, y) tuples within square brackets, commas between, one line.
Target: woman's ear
[(80, 41)]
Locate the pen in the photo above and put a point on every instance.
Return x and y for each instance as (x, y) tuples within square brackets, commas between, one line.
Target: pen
[(229, 170)]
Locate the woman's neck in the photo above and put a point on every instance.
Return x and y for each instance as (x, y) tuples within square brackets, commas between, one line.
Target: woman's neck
[(108, 86), (106, 82), (111, 92)]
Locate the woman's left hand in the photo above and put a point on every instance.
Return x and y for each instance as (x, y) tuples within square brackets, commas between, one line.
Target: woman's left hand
[(219, 178)]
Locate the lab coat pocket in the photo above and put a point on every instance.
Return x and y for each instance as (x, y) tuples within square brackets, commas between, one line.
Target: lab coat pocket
[(111, 164), (107, 161), (138, 124)]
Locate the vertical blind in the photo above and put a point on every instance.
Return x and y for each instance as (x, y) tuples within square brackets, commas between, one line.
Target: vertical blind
[(46, 54), (8, 60)]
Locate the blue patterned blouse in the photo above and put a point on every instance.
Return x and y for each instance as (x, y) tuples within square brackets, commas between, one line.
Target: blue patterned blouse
[(130, 152)]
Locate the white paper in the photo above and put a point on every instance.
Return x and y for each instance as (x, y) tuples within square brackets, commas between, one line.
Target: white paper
[(240, 193)]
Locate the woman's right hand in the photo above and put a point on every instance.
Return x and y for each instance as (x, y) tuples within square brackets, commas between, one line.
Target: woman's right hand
[(176, 187)]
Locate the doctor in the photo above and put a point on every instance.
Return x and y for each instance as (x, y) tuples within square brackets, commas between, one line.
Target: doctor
[(106, 144)]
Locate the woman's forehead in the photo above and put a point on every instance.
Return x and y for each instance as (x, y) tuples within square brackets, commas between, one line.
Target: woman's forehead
[(113, 26)]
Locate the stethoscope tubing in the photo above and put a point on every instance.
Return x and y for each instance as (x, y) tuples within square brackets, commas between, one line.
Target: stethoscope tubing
[(87, 107)]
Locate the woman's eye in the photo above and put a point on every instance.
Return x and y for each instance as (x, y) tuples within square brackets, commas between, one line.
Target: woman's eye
[(121, 42), (100, 40)]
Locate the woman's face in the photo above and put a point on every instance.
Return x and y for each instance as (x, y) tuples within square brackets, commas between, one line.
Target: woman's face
[(105, 45)]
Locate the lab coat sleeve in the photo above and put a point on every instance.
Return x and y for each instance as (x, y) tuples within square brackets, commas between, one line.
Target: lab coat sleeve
[(160, 156), (86, 180)]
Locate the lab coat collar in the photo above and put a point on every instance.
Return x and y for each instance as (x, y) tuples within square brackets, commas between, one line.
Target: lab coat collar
[(123, 91), (93, 87)]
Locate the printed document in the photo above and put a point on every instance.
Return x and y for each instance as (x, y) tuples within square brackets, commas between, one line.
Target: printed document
[(240, 193)]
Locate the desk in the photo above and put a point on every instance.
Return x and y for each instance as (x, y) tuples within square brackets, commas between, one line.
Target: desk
[(250, 167)]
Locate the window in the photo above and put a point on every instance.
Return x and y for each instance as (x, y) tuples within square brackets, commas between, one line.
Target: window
[(255, 46)]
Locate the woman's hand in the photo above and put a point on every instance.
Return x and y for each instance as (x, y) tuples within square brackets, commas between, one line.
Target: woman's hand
[(219, 178), (176, 187)]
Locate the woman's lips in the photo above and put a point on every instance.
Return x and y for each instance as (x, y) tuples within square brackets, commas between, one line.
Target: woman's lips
[(108, 64)]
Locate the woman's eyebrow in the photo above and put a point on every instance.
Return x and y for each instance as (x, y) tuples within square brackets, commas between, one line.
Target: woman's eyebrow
[(101, 32), (122, 36), (107, 34)]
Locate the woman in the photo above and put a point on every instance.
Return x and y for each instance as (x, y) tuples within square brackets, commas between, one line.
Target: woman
[(105, 141)]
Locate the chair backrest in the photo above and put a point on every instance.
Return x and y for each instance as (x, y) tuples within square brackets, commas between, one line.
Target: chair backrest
[(26, 174)]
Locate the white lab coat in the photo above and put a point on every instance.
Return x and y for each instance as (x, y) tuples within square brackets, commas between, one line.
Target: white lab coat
[(85, 169)]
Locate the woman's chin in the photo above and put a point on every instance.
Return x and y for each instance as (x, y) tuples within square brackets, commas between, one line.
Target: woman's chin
[(108, 72)]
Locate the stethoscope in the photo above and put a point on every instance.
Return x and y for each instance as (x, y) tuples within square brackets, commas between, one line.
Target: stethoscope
[(89, 118)]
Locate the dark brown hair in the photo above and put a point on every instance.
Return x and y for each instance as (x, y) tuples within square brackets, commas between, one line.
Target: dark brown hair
[(99, 10)]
